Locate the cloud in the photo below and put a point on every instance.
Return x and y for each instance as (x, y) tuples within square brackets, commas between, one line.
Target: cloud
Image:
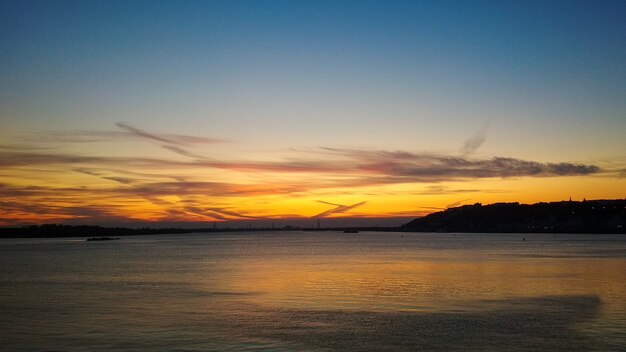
[(118, 179), (205, 213), (338, 210), (329, 203), (144, 134), (216, 213), (76, 136), (436, 168), (457, 203), (232, 213), (15, 212), (367, 167), (21, 147), (166, 138), (182, 187), (472, 144), (98, 203), (93, 136), (183, 152)]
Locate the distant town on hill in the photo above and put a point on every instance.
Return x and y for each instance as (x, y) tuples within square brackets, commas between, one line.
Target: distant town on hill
[(588, 216)]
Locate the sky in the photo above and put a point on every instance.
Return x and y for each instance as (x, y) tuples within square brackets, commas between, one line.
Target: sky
[(118, 112)]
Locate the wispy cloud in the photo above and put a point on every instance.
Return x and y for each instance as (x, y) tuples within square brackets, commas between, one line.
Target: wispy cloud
[(433, 168), (184, 152), (168, 184), (218, 213), (15, 212), (22, 147), (457, 203), (119, 179), (339, 208), (404, 167), (472, 144), (144, 134), (126, 131), (166, 138)]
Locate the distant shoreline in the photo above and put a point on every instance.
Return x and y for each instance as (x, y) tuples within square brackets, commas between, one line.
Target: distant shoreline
[(13, 233), (57, 231), (588, 217)]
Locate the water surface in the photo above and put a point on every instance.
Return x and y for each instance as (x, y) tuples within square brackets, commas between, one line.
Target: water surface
[(315, 291)]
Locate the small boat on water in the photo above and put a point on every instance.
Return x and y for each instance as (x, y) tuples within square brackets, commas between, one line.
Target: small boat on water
[(350, 231), (102, 239)]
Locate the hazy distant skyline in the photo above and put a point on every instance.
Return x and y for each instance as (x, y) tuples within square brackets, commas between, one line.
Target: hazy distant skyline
[(119, 111)]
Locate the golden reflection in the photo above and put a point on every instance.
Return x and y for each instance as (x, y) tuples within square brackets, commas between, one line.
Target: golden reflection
[(360, 282)]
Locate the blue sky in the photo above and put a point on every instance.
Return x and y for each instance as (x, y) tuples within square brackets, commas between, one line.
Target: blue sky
[(445, 66)]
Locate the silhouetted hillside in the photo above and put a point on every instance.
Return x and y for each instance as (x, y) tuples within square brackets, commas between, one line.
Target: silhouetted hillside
[(596, 216)]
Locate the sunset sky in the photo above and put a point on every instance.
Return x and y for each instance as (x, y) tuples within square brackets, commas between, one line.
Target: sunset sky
[(114, 112)]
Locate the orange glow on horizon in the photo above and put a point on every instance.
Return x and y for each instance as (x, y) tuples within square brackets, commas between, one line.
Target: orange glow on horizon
[(180, 184)]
